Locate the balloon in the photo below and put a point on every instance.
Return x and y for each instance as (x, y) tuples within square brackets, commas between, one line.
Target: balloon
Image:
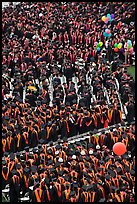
[(131, 50), (109, 35), (101, 43), (98, 45), (103, 18), (119, 45), (98, 49), (129, 42), (109, 18), (106, 20), (119, 148), (129, 46), (116, 49), (108, 31), (95, 43), (115, 45), (105, 34), (122, 50), (108, 15), (112, 16)]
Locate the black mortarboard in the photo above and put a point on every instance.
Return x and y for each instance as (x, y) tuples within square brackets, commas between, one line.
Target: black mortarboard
[(107, 158), (47, 180), (60, 173), (41, 141), (58, 146), (50, 162), (12, 156), (75, 185), (78, 143), (51, 143), (18, 166), (26, 148), (9, 127), (101, 161), (132, 172), (127, 168), (14, 172), (41, 150), (84, 187), (64, 139), (107, 176), (26, 170), (34, 169), (90, 145), (112, 173), (72, 193), (3, 162), (87, 158), (118, 169), (57, 164), (6, 117), (52, 170), (6, 154), (17, 154), (68, 185), (124, 156)]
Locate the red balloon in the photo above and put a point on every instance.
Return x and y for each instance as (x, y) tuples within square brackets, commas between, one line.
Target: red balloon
[(119, 148), (116, 49), (108, 31)]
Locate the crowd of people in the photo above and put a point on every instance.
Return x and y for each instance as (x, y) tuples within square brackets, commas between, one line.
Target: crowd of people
[(77, 172), (56, 84)]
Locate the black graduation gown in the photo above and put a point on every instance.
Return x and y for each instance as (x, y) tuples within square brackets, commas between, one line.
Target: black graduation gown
[(115, 117), (14, 192), (72, 128), (63, 129)]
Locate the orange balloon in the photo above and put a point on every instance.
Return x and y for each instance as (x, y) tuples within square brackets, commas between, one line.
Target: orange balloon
[(119, 148), (116, 49)]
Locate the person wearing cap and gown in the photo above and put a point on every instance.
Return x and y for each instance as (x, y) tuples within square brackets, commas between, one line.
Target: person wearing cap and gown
[(14, 184), (5, 174), (114, 115), (25, 181)]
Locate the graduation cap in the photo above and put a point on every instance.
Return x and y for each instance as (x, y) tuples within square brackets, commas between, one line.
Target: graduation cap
[(107, 177), (57, 164), (26, 170), (72, 193), (18, 166), (84, 187), (14, 172), (60, 173), (3, 162), (101, 161), (127, 168), (41, 150), (90, 145), (34, 169), (41, 141), (132, 172), (18, 154), (50, 162), (58, 146), (12, 156), (118, 170), (112, 173), (107, 158), (6, 154), (47, 180), (6, 117)]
